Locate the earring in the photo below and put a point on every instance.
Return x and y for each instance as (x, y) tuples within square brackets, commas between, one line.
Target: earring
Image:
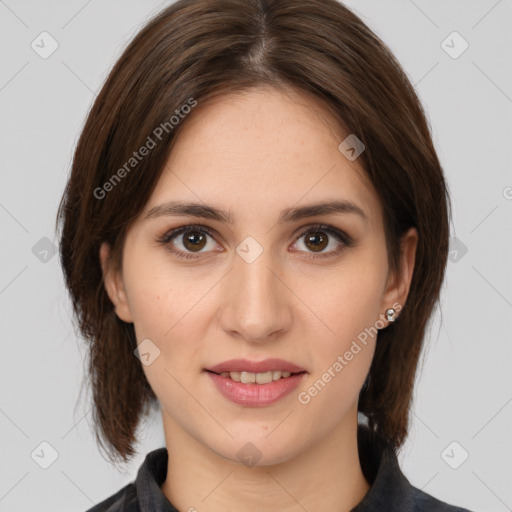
[(390, 314)]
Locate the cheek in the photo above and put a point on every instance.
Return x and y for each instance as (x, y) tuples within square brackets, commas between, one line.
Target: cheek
[(167, 306), (347, 300), (158, 296), (161, 305), (150, 305), (347, 305)]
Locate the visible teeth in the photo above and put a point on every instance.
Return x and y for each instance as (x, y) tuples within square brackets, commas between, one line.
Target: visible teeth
[(258, 378), (248, 378), (263, 378)]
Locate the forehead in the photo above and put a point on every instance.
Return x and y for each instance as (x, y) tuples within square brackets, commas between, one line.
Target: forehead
[(263, 147)]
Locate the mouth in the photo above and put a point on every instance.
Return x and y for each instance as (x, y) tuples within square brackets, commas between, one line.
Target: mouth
[(255, 389), (257, 378), (256, 372)]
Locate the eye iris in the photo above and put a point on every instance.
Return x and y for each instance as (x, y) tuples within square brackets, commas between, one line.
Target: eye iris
[(193, 237), (313, 238)]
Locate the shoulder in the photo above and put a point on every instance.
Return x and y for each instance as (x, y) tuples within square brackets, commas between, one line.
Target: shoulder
[(390, 490), (144, 493), (124, 500), (423, 502), (401, 496)]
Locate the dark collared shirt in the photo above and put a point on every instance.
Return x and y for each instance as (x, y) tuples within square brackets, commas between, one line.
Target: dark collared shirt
[(390, 490)]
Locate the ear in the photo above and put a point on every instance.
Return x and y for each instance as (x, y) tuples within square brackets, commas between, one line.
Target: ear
[(398, 284), (114, 285)]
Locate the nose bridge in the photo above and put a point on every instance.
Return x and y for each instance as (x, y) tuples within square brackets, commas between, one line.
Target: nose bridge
[(255, 301)]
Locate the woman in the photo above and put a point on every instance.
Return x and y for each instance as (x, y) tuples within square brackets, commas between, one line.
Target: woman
[(254, 237)]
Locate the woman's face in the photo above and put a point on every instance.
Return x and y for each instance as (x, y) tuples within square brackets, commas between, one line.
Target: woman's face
[(264, 284)]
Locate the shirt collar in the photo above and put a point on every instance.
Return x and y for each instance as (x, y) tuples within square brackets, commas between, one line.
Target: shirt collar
[(389, 489)]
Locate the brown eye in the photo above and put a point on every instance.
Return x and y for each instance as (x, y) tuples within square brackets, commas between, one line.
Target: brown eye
[(316, 241), (189, 241), (194, 240)]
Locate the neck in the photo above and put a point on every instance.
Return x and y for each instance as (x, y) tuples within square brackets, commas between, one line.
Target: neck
[(325, 476)]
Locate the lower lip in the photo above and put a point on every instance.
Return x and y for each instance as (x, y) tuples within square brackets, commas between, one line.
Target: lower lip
[(256, 395)]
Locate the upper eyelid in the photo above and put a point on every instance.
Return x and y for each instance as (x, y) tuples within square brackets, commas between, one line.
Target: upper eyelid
[(175, 232)]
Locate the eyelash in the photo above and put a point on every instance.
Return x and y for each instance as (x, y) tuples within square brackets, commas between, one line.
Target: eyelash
[(340, 236)]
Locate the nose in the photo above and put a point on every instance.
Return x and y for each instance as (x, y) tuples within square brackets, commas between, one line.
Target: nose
[(256, 304)]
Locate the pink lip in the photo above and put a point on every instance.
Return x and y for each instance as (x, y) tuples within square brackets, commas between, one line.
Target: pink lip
[(244, 365), (256, 395)]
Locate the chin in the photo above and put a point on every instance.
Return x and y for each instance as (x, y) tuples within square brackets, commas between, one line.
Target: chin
[(253, 451)]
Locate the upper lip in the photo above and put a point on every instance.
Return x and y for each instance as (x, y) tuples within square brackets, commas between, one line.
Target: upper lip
[(244, 365)]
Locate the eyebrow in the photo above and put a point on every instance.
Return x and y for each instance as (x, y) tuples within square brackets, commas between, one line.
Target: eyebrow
[(176, 208)]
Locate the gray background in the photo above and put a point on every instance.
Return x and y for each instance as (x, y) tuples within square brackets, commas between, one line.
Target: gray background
[(464, 392)]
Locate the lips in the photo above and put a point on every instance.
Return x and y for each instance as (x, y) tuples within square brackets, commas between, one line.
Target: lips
[(255, 395), (244, 365)]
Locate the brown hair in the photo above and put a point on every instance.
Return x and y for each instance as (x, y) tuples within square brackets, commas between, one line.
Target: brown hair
[(196, 49)]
